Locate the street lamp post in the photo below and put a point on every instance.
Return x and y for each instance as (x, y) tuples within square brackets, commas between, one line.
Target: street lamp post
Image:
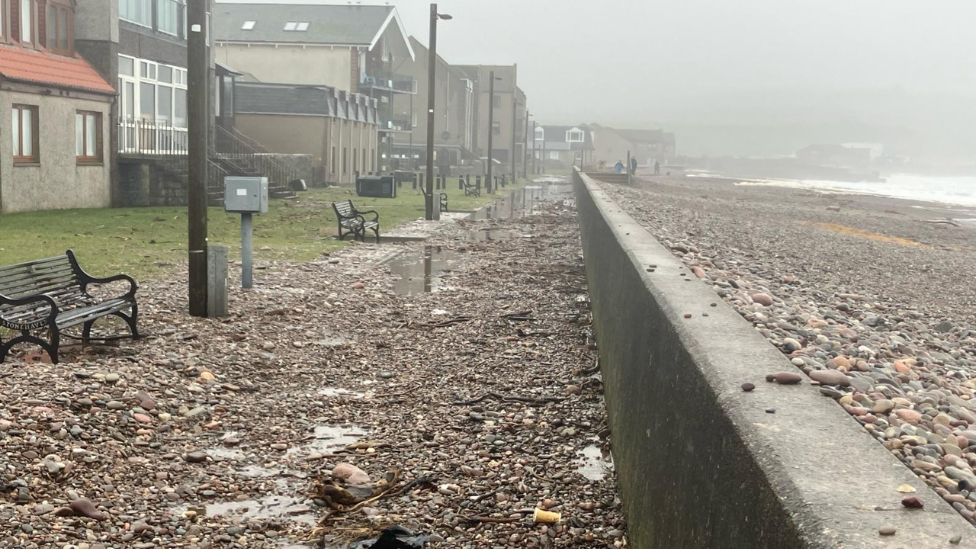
[(491, 123), (431, 67), (525, 147), (515, 105)]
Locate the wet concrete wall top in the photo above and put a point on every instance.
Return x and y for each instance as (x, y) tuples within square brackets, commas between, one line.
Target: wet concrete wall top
[(703, 464)]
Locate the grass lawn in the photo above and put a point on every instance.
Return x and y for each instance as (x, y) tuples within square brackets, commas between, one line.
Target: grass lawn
[(147, 242)]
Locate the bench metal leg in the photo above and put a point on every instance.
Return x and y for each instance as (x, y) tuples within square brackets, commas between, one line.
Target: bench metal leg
[(131, 320), (50, 347), (86, 332)]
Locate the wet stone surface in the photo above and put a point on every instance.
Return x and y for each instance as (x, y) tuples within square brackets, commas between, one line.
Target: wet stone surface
[(478, 400)]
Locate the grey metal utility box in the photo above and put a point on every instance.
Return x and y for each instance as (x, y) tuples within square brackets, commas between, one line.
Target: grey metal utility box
[(246, 194)]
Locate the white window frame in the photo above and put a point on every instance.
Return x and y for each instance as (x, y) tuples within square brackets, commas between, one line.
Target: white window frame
[(27, 23), (179, 82), (176, 17), (570, 134), (140, 23), (553, 155), (302, 26), (248, 25), (290, 26), (540, 133)]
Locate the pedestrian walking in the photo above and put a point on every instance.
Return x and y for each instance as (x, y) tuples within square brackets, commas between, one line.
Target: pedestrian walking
[(633, 165)]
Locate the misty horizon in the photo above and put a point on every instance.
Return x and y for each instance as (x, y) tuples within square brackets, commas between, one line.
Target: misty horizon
[(893, 71)]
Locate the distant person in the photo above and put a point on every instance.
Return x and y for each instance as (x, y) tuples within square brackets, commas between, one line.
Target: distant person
[(657, 168), (633, 165), (618, 167)]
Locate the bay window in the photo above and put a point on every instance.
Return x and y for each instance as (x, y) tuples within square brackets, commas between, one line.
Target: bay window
[(153, 107)]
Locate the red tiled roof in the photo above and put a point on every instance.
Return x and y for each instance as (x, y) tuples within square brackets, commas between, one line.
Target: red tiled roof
[(46, 68)]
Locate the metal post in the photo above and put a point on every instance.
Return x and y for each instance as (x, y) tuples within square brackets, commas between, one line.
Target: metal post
[(431, 67), (491, 123), (199, 120), (247, 249), (543, 153), (534, 126), (410, 121), (525, 148), (514, 125), (627, 167)]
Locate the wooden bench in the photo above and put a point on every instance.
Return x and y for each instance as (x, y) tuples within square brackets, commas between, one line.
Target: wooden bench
[(52, 295), (352, 221), (471, 189)]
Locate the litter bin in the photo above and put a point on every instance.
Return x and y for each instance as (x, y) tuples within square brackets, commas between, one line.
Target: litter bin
[(376, 186)]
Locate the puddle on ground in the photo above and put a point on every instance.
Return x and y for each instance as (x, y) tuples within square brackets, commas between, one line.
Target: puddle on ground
[(522, 202), (594, 464), (339, 392), (257, 471), (332, 341), (222, 454), (268, 507), (423, 271), (489, 234), (329, 438)]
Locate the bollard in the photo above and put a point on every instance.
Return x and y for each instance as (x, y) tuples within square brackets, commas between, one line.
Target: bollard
[(504, 181), (415, 181), (460, 183), (216, 281), (477, 182)]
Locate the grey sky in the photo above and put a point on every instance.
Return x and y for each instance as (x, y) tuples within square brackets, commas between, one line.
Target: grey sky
[(676, 63)]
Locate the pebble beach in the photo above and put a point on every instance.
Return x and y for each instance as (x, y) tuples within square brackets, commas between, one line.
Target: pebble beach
[(869, 296)]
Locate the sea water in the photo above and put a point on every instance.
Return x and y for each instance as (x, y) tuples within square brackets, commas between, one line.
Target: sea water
[(958, 191)]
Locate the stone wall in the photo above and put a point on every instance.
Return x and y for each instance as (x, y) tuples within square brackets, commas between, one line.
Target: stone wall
[(704, 465), (153, 181)]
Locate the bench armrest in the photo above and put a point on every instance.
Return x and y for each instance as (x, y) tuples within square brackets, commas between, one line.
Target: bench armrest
[(9, 301), (376, 215), (92, 280)]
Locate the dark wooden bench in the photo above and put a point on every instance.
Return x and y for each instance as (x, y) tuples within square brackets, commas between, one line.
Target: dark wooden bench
[(352, 221), (52, 295), (471, 189)]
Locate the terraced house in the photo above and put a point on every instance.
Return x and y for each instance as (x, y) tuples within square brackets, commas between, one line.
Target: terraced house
[(348, 53), (55, 150)]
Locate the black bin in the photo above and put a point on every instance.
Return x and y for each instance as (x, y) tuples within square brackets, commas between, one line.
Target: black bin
[(376, 186)]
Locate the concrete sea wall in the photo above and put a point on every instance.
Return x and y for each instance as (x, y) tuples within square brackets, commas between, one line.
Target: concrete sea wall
[(700, 462)]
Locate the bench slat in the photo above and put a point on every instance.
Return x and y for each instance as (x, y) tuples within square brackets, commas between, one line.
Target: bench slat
[(14, 277), (36, 263), (42, 288), (37, 285), (66, 302), (84, 314)]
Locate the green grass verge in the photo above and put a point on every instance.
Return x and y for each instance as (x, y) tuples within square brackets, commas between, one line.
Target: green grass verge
[(148, 242)]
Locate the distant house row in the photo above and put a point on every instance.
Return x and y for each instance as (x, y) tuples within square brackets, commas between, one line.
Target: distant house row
[(98, 90), (593, 144)]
